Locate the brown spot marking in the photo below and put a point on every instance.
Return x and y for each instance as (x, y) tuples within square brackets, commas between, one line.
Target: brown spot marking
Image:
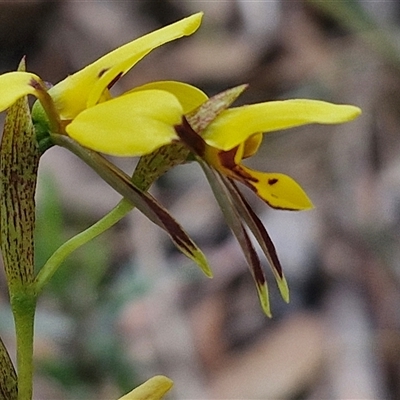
[(35, 84), (102, 72), (272, 181)]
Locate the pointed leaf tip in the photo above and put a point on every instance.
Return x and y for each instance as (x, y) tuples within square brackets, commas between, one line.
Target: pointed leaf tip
[(200, 118), (202, 262), (183, 242), (283, 288), (261, 234), (263, 295)]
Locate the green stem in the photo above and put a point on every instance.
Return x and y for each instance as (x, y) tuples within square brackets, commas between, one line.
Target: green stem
[(23, 305), (52, 264)]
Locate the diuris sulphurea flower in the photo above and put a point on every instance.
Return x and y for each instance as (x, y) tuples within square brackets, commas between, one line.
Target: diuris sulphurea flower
[(165, 123)]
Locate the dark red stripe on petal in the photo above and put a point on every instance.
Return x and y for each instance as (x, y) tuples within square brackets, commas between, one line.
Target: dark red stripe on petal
[(267, 240), (269, 247), (233, 219), (190, 138), (255, 190), (179, 237), (254, 261), (146, 203), (114, 81), (244, 177)]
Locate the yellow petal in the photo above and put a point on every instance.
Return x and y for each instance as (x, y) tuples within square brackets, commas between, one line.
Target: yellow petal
[(153, 389), (14, 85), (130, 125), (252, 144), (84, 88), (278, 190), (189, 96), (235, 125)]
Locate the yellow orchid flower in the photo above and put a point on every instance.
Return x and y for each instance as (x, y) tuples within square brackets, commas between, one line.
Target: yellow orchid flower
[(220, 137), (174, 119), (153, 389)]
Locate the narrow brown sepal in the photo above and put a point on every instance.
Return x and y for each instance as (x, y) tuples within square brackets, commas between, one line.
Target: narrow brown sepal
[(260, 233), (233, 219), (143, 201)]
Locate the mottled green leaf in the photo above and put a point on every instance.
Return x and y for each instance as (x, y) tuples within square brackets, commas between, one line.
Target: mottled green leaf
[(8, 376), (19, 159)]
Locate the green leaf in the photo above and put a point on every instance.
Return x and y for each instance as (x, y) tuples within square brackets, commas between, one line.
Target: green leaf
[(19, 160), (8, 376)]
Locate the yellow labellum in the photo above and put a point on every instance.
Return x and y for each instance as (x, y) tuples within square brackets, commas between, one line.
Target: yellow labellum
[(251, 145), (278, 190)]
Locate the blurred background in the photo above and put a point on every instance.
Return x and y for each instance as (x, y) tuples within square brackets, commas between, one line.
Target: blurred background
[(127, 306)]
